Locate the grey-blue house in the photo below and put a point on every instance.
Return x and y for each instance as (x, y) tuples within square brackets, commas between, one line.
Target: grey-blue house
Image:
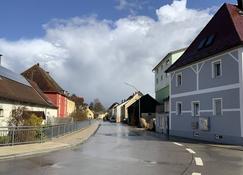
[(206, 82)]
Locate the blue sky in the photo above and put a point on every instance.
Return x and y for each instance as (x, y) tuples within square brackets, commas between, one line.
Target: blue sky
[(24, 19)]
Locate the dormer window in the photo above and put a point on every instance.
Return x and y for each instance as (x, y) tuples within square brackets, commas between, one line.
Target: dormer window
[(206, 42)]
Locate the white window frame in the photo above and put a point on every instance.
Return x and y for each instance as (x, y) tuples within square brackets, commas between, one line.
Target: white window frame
[(214, 107), (177, 112), (192, 107), (213, 71), (177, 74)]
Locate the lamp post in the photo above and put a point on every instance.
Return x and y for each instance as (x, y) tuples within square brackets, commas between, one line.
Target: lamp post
[(139, 109)]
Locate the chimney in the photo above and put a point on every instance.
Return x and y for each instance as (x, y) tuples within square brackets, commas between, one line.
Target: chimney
[(240, 4)]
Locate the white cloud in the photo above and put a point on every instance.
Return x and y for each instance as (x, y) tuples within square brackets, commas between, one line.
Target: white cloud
[(94, 58)]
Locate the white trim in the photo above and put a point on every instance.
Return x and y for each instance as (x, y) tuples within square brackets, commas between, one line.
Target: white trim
[(208, 59), (177, 74), (186, 111), (206, 110), (209, 90), (213, 71), (170, 108), (214, 108), (177, 113), (230, 54), (240, 55), (231, 110), (172, 75), (195, 71), (201, 66), (192, 108)]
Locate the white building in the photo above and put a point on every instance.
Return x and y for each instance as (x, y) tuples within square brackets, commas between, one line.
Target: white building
[(16, 91)]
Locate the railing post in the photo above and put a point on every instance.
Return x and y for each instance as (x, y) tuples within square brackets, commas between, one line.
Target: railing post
[(52, 132), (41, 130), (64, 129), (13, 133), (58, 130)]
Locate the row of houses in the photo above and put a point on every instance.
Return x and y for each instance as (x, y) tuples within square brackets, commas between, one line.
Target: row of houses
[(133, 109), (35, 91), (201, 87)]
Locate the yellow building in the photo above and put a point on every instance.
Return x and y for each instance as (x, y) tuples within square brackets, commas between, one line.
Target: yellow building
[(71, 107)]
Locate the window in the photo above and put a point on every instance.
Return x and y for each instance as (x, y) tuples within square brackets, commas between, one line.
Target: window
[(157, 81), (178, 79), (201, 44), (217, 69), (162, 77), (167, 62), (195, 108), (178, 108), (1, 112), (217, 106), (210, 40)]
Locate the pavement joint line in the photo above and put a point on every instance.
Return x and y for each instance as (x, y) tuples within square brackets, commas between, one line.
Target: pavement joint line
[(190, 151), (196, 173), (177, 144), (198, 161)]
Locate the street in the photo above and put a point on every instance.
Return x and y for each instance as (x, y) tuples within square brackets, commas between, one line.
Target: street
[(120, 149)]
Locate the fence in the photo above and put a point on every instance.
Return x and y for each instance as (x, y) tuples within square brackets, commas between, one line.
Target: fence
[(32, 134)]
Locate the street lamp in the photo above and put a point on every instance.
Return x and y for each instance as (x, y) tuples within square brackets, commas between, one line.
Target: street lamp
[(139, 109)]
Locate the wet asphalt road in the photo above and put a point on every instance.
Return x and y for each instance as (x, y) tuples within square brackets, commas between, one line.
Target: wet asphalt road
[(120, 150)]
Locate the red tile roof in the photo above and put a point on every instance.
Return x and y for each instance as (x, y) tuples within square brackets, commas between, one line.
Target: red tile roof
[(42, 78), (226, 27)]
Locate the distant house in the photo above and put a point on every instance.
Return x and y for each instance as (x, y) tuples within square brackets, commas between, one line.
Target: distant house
[(111, 110), (16, 91), (71, 106), (145, 106), (50, 88), (207, 82), (124, 108), (118, 111)]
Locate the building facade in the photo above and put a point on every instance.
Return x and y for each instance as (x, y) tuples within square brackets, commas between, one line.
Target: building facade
[(207, 82), (162, 79)]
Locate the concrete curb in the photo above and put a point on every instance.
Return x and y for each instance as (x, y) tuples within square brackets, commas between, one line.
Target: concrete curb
[(65, 146)]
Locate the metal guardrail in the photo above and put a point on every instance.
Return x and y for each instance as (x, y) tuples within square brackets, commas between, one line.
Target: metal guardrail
[(31, 134)]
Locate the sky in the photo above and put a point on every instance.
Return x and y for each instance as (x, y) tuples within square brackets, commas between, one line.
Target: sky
[(91, 47)]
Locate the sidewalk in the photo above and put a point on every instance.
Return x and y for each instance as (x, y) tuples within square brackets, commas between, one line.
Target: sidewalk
[(67, 141)]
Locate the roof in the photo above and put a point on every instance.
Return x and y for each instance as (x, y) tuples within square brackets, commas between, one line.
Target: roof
[(131, 96), (43, 79), (145, 98), (4, 72), (223, 32), (167, 55), (16, 91), (113, 105)]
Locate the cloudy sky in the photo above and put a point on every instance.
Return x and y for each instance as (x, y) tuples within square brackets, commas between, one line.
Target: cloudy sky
[(91, 47)]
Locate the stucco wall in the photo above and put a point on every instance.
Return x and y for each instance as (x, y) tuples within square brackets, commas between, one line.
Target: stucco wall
[(198, 84), (9, 106)]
